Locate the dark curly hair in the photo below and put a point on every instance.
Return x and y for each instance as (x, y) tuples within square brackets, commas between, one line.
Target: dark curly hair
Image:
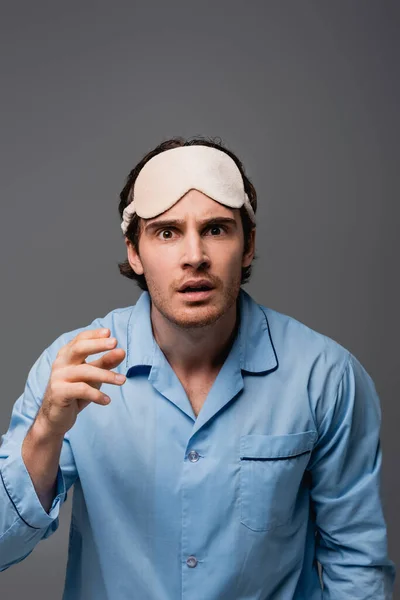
[(133, 231)]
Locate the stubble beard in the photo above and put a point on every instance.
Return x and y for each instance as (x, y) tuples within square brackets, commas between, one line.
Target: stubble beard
[(196, 316)]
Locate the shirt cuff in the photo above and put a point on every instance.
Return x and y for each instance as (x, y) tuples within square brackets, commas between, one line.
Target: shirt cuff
[(22, 493)]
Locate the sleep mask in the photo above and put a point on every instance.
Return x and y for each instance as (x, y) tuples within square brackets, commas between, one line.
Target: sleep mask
[(169, 175)]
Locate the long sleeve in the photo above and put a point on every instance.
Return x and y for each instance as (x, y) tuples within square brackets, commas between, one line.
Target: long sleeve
[(23, 520), (345, 472)]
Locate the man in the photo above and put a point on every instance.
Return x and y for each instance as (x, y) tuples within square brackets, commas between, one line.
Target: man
[(241, 448)]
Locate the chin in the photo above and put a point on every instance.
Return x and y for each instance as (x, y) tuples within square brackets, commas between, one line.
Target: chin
[(196, 317)]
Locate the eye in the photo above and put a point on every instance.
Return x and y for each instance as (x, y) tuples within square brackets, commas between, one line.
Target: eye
[(163, 231), (212, 227)]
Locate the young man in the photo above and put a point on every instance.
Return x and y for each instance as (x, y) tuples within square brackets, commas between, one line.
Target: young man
[(241, 448)]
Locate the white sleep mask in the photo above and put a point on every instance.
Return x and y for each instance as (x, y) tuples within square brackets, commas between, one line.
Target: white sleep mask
[(169, 175)]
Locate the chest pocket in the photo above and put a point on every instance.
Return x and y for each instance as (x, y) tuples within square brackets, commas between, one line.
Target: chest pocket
[(271, 471)]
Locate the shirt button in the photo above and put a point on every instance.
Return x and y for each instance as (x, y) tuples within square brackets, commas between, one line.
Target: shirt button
[(191, 561), (193, 456)]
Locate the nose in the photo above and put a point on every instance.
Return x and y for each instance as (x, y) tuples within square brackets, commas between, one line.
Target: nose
[(194, 251)]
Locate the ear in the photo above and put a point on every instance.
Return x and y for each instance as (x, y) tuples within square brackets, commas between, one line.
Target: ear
[(249, 255), (133, 258)]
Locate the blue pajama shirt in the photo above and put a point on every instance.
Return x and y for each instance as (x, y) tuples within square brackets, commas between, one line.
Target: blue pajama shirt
[(279, 472)]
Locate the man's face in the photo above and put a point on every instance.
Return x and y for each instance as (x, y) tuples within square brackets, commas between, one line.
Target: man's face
[(171, 253)]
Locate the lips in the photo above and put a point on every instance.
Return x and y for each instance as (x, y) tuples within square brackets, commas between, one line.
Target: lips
[(196, 285)]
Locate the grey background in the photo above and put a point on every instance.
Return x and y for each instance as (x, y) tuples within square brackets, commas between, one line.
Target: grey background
[(306, 93)]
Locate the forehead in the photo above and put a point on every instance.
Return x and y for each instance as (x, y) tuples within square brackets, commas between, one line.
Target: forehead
[(198, 206)]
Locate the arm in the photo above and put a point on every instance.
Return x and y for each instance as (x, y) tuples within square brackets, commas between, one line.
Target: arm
[(41, 454), (345, 492), (36, 461), (23, 519)]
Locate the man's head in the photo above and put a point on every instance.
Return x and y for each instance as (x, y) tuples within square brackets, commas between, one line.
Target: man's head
[(207, 240)]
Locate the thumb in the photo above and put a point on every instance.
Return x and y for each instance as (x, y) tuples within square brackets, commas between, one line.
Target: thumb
[(109, 360)]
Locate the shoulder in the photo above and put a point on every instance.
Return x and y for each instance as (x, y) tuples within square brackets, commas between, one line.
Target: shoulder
[(301, 342), (315, 360), (331, 374)]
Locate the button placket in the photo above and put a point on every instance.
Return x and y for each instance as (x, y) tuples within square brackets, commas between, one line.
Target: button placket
[(191, 475)]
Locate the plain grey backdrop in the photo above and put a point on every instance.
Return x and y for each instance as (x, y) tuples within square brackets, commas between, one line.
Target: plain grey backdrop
[(306, 93)]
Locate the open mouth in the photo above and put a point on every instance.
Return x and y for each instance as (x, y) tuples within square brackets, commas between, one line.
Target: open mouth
[(197, 293)]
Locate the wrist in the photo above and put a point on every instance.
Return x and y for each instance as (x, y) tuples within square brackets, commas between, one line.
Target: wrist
[(43, 431)]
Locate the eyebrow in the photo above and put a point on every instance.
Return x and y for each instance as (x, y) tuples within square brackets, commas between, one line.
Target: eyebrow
[(179, 222)]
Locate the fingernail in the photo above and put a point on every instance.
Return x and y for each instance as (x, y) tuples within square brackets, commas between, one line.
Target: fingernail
[(120, 378)]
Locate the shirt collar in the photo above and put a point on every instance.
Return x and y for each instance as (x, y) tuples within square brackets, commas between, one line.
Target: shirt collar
[(256, 349)]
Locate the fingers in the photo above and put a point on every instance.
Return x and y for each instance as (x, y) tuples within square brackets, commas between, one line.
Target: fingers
[(85, 343), (109, 360), (80, 390), (90, 374)]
